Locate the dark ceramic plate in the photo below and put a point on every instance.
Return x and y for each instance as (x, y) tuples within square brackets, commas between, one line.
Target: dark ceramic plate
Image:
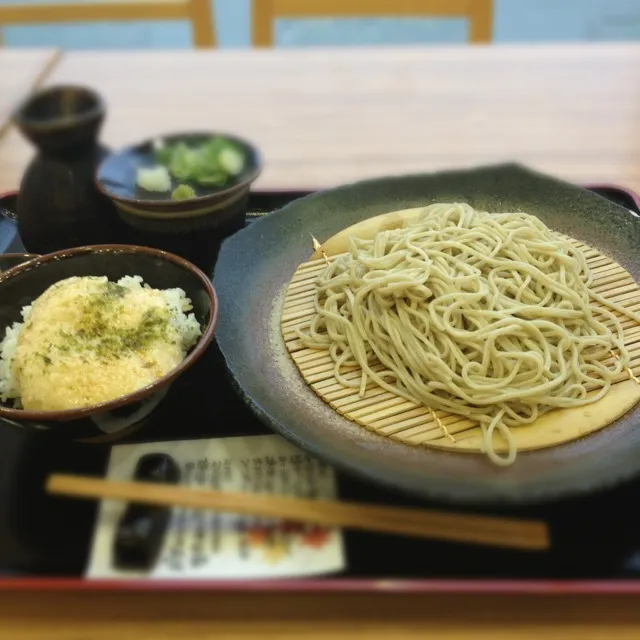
[(117, 174), (256, 265)]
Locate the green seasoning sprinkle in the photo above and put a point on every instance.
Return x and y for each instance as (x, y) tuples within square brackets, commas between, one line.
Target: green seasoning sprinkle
[(99, 329)]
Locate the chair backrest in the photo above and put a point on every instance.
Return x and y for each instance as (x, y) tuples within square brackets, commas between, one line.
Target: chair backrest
[(198, 12), (479, 13)]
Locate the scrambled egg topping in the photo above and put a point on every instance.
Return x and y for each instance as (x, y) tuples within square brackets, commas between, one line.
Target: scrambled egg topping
[(88, 340)]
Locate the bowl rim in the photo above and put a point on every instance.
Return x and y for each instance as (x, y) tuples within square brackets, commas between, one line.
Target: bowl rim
[(185, 214), (24, 258), (205, 339), (20, 254), (169, 204)]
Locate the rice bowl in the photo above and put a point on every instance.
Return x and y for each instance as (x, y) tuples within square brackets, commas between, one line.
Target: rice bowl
[(86, 341), (116, 418)]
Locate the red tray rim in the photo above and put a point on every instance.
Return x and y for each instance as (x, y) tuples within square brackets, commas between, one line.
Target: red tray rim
[(329, 585), (321, 584)]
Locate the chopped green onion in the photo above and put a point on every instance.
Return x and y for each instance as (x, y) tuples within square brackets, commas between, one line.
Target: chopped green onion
[(211, 163), (213, 179), (231, 160), (153, 178), (183, 192)]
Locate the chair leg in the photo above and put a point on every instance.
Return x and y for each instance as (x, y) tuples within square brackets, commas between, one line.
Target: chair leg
[(262, 23), (202, 24), (481, 21)]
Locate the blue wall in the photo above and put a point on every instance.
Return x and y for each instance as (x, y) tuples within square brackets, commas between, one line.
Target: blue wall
[(515, 21)]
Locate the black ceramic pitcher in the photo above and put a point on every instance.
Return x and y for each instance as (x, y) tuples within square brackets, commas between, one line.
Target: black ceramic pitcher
[(59, 205)]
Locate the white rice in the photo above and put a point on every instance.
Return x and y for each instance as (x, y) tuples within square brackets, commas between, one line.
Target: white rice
[(8, 385), (177, 301)]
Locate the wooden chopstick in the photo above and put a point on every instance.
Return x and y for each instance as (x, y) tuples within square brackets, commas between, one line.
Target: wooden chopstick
[(441, 525)]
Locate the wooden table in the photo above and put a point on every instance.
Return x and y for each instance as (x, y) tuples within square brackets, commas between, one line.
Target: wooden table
[(21, 70), (202, 616), (324, 117)]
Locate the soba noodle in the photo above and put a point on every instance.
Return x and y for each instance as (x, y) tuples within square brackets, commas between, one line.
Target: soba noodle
[(487, 316)]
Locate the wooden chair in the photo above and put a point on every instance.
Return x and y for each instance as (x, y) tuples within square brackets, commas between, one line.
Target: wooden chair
[(479, 13), (198, 12)]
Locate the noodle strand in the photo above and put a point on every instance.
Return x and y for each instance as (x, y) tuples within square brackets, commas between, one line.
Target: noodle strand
[(488, 316)]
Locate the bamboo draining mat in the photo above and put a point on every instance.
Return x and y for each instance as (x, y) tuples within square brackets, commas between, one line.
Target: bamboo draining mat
[(390, 415)]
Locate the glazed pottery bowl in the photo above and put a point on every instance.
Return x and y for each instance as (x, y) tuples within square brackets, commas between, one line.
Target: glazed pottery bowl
[(218, 208), (112, 420)]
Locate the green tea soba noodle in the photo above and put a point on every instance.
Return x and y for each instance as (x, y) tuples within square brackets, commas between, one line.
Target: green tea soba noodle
[(487, 316)]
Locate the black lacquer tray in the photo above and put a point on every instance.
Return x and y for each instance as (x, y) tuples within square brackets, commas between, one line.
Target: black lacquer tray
[(44, 541)]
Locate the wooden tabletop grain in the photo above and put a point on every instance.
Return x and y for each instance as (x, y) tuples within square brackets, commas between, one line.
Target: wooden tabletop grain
[(21, 70), (324, 117), (202, 616)]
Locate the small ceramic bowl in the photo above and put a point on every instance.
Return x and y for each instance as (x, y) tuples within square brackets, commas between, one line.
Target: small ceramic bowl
[(155, 212), (112, 420)]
